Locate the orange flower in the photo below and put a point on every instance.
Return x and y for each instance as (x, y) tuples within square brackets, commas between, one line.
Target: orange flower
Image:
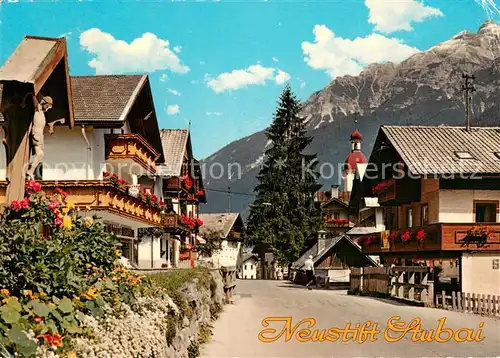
[(43, 294), (5, 292), (57, 340), (38, 319)]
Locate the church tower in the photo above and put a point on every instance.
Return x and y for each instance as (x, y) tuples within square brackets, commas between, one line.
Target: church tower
[(353, 159)]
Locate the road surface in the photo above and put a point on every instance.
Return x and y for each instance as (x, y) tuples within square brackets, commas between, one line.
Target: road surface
[(236, 331)]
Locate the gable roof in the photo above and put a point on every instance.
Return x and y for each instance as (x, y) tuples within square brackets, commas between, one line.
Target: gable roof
[(247, 257), (335, 200), (174, 143), (34, 61), (222, 222), (431, 149), (105, 98), (329, 244)]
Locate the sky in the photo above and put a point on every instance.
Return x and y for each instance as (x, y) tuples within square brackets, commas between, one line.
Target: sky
[(221, 65)]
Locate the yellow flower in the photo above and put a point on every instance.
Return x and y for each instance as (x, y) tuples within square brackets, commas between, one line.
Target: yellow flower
[(89, 222), (72, 355), (67, 223), (5, 300), (28, 293), (5, 292), (92, 293), (69, 205), (118, 253)]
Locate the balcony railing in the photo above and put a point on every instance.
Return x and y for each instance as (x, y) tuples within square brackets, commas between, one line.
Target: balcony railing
[(435, 237), (131, 147), (397, 191)]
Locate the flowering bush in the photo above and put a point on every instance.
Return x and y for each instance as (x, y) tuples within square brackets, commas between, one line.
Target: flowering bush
[(406, 236), (368, 240), (382, 187), (420, 236), (187, 182), (201, 192), (339, 222), (117, 182)]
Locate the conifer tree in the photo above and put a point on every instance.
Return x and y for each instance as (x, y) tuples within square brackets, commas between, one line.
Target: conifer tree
[(284, 213)]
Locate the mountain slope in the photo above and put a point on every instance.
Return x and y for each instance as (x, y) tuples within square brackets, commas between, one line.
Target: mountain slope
[(425, 89)]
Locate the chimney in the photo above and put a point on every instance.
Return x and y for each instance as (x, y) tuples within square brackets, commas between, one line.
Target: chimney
[(334, 191)]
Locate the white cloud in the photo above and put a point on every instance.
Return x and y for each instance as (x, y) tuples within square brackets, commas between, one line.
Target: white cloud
[(389, 16), (214, 113), (302, 83), (281, 77), (173, 109), (177, 49), (339, 56), (275, 60), (252, 75), (164, 77), (147, 53), (174, 92)]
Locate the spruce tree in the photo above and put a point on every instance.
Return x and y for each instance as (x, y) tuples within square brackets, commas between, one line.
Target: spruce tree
[(288, 182)]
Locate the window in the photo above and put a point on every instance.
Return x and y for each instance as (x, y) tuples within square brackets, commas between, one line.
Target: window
[(464, 155), (486, 212), (425, 214), (245, 267), (336, 215), (409, 217), (251, 267)]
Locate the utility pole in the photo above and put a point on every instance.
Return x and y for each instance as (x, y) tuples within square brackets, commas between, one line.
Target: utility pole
[(228, 199), (468, 88)]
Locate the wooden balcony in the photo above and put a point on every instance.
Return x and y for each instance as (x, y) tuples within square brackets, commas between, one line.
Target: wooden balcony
[(172, 223), (96, 195), (131, 149), (438, 237), (398, 191)]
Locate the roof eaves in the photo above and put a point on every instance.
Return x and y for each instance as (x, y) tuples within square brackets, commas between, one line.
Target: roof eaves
[(132, 98)]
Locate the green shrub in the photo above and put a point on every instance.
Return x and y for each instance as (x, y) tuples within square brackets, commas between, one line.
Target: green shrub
[(46, 247)]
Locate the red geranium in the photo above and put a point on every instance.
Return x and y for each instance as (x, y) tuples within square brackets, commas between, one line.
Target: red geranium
[(406, 236), (62, 192), (15, 205), (58, 222), (420, 235), (106, 174), (201, 192), (33, 186), (199, 222)]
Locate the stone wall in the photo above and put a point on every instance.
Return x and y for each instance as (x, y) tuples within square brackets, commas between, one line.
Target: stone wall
[(156, 327)]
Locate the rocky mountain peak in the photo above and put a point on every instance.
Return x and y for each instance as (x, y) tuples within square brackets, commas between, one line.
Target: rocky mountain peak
[(424, 89)]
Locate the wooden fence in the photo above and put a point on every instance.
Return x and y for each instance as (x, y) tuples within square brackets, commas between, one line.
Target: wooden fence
[(409, 283), (488, 305), (373, 280)]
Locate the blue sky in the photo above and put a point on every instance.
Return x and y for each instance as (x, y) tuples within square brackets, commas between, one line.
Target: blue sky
[(223, 64)]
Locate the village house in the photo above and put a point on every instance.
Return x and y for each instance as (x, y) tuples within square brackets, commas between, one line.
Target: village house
[(438, 188), (333, 257), (182, 185), (107, 164), (335, 211), (229, 229), (247, 267)]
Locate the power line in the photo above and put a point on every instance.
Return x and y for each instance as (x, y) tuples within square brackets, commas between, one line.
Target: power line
[(230, 192)]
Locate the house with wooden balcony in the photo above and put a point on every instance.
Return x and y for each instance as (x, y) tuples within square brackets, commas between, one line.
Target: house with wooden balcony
[(107, 161), (335, 212), (439, 192), (182, 185), (230, 230)]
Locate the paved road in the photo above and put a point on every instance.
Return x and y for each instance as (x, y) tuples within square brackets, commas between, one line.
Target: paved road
[(236, 332)]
